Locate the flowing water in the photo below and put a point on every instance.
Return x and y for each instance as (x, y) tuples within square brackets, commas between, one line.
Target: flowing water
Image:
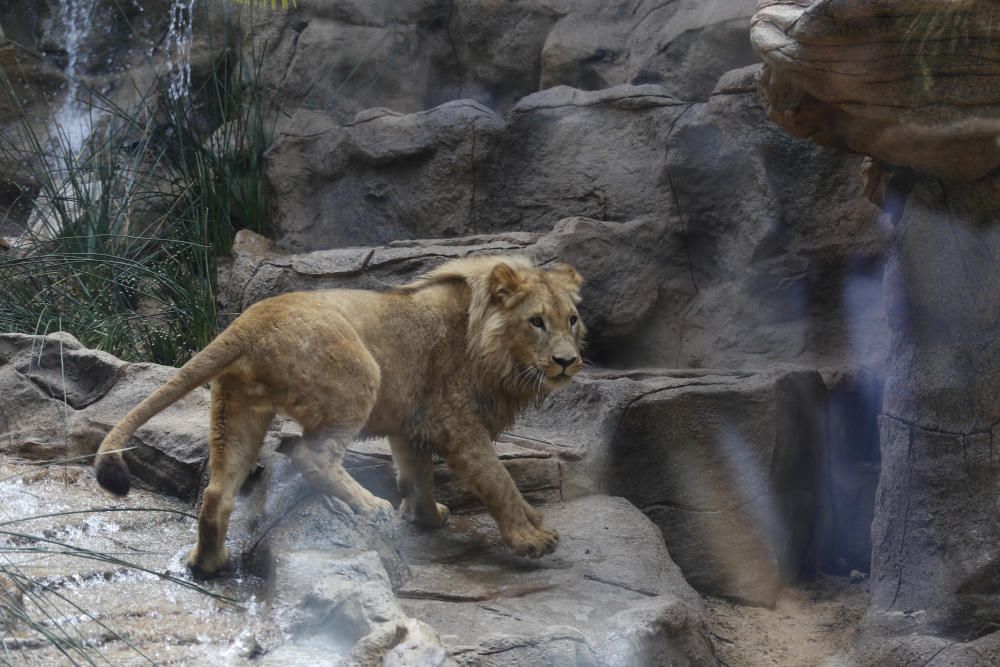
[(95, 609)]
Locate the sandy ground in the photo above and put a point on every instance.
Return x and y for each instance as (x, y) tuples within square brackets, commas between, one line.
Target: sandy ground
[(812, 625)]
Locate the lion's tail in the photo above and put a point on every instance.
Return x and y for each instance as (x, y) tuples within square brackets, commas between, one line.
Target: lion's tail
[(112, 471)]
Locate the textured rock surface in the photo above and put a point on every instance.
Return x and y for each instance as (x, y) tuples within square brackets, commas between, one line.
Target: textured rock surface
[(342, 588), (783, 262), (609, 596), (385, 176), (727, 464), (935, 535), (618, 260), (169, 451), (913, 84), (344, 56), (927, 651)]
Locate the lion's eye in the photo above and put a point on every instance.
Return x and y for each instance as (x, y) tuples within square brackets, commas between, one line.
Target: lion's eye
[(573, 320), (537, 322)]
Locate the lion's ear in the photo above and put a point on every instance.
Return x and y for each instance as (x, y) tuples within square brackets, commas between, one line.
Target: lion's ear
[(568, 275), (504, 282)]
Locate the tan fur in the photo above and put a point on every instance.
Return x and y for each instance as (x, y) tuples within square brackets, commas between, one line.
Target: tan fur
[(438, 366)]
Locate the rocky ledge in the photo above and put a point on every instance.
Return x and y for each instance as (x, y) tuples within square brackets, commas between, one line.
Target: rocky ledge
[(316, 582)]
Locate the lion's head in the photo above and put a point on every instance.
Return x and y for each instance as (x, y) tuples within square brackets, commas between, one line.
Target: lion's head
[(533, 320), (524, 331)]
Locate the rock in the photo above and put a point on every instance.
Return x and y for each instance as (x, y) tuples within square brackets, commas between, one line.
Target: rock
[(608, 596), (620, 262), (59, 399), (416, 643), (929, 651), (257, 274), (729, 465), (919, 89), (345, 56), (936, 541), (333, 599), (568, 152), (617, 260), (774, 276), (385, 176), (738, 276), (684, 46)]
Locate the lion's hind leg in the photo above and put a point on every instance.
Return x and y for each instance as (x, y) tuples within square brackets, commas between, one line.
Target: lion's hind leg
[(336, 385), (319, 457), (415, 479), (238, 425)]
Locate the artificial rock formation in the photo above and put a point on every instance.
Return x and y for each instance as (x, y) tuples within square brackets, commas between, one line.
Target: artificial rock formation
[(346, 56), (914, 84), (750, 246), (341, 589)]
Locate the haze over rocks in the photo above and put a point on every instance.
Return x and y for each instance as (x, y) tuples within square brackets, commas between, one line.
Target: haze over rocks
[(788, 292)]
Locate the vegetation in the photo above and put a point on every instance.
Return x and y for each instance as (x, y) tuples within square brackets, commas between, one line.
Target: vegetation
[(126, 231)]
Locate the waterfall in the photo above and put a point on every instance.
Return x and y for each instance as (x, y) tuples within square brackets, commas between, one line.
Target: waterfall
[(73, 122), (178, 48)]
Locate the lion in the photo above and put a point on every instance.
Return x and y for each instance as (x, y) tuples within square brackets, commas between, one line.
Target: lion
[(439, 366)]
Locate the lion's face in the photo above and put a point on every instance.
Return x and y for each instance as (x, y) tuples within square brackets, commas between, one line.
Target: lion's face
[(541, 324)]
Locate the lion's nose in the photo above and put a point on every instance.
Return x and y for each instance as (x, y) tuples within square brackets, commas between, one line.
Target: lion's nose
[(565, 362)]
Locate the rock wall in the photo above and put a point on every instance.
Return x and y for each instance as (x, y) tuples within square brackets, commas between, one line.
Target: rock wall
[(347, 56), (733, 279), (744, 261), (708, 237), (915, 94)]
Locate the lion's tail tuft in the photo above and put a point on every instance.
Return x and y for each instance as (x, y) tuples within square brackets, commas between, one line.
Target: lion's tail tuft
[(113, 475)]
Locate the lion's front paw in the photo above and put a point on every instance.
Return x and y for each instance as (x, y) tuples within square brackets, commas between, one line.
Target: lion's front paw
[(531, 541), (534, 516), (414, 514)]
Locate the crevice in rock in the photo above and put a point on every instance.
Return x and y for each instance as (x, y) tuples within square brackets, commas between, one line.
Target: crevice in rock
[(419, 594), (529, 644), (668, 504), (906, 517), (474, 178), (668, 101), (638, 22), (459, 68), (617, 584), (940, 431), (937, 653)]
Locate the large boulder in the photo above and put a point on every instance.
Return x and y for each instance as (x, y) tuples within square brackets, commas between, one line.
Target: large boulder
[(60, 399), (609, 596), (784, 252), (685, 46), (384, 176), (617, 260), (727, 464), (341, 587), (935, 535), (912, 84)]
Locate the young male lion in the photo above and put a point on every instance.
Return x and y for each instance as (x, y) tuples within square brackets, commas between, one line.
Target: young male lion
[(441, 365)]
